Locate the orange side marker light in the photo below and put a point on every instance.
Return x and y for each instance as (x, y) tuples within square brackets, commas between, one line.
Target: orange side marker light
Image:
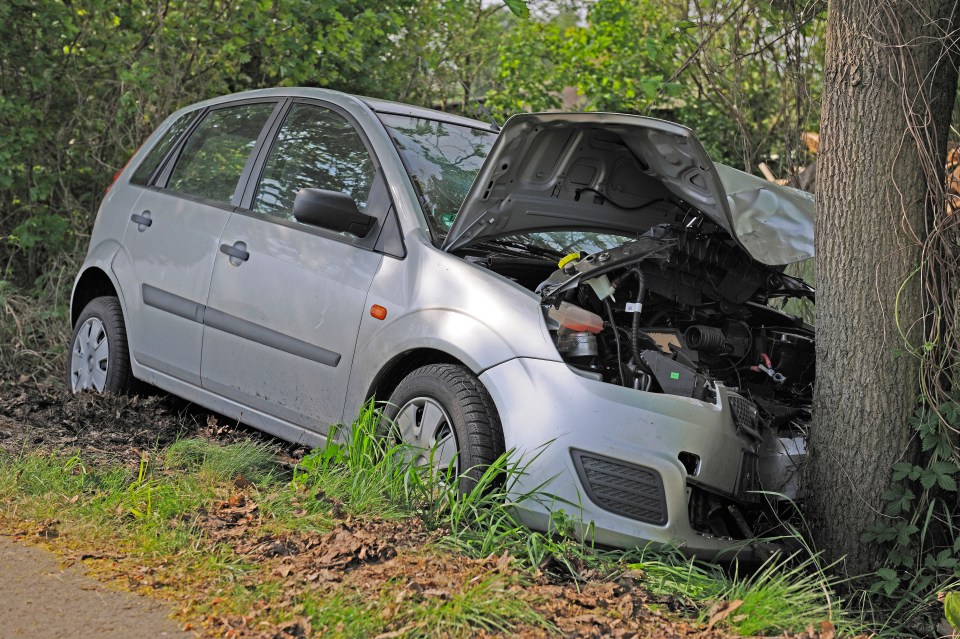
[(378, 312)]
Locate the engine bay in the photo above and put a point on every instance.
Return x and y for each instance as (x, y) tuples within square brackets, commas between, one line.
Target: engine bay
[(681, 310)]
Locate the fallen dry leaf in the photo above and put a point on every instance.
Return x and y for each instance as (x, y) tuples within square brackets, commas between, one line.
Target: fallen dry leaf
[(720, 611)]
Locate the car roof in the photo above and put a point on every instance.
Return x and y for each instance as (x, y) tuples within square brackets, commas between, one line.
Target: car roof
[(399, 108), (377, 104)]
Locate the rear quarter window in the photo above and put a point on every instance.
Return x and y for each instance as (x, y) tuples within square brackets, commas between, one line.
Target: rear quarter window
[(148, 167)]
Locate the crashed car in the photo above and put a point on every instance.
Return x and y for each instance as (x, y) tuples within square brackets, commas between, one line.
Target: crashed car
[(589, 291)]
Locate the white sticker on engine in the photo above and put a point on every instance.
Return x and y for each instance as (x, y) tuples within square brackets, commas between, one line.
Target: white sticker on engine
[(634, 307)]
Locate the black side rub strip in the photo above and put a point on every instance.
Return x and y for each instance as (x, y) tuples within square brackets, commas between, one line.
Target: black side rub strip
[(233, 325), (268, 337), (179, 306)]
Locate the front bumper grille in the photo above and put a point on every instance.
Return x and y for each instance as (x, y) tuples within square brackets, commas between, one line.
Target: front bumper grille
[(745, 415), (621, 487)]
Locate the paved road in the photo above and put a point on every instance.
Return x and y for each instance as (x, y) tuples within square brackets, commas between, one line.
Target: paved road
[(38, 599)]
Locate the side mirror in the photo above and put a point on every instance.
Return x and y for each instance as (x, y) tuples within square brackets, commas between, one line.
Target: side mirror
[(331, 210)]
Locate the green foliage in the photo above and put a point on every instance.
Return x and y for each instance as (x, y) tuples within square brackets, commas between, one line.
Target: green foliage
[(743, 76), (519, 8), (618, 61), (83, 84), (365, 474), (951, 609), (920, 530)]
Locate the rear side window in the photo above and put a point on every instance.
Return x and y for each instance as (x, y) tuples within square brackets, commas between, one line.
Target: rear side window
[(150, 163), (216, 152), (315, 148)]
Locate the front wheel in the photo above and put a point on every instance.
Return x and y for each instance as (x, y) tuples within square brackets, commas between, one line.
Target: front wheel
[(99, 359), (443, 410)]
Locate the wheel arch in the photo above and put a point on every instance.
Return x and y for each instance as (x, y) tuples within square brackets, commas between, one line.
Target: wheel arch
[(92, 283), (401, 365)]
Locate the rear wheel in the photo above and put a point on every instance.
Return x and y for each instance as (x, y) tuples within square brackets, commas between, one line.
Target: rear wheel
[(444, 410), (99, 358)]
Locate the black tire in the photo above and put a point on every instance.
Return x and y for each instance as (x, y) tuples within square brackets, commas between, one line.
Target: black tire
[(119, 378), (472, 414)]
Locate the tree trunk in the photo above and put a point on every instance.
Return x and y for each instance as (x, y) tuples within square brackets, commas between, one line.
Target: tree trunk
[(873, 200)]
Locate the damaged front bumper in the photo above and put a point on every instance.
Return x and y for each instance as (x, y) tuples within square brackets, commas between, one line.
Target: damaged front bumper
[(633, 466)]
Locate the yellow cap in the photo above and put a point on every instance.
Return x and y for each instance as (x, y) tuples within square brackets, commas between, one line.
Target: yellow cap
[(566, 259)]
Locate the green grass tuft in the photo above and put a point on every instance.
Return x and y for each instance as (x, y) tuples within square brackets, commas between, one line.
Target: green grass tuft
[(486, 604), (482, 604), (786, 594), (250, 460), (366, 474)]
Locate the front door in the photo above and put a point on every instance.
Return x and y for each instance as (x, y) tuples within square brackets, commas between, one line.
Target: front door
[(286, 298)]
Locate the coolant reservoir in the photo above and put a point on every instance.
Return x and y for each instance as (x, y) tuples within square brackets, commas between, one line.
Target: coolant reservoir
[(575, 319)]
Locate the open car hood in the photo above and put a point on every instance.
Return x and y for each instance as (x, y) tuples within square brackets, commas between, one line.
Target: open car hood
[(615, 173)]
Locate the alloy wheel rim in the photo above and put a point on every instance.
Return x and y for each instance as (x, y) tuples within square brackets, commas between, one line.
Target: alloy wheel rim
[(90, 357), (423, 424)]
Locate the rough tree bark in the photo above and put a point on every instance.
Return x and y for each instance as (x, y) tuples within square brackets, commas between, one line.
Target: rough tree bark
[(883, 57)]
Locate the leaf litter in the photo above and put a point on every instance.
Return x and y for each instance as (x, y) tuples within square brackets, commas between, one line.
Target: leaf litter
[(393, 567)]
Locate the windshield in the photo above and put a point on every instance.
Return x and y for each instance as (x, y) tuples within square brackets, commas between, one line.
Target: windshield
[(442, 160), (564, 242)]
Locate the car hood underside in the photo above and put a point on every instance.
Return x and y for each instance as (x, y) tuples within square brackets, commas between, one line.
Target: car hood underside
[(616, 173)]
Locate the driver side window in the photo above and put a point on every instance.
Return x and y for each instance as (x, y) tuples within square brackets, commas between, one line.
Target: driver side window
[(315, 148)]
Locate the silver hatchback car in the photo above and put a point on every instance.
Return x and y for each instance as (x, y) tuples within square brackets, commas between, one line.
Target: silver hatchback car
[(589, 280)]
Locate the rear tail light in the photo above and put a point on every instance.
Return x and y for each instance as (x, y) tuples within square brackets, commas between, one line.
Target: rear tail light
[(124, 168), (114, 180)]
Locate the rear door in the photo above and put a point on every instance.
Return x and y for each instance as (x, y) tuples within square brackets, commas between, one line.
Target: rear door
[(283, 314), (173, 235)]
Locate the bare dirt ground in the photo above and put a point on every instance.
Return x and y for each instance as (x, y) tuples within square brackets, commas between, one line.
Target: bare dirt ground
[(39, 598), (44, 416)]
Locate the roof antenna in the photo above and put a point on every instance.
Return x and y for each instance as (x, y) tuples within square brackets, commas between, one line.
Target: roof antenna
[(466, 90)]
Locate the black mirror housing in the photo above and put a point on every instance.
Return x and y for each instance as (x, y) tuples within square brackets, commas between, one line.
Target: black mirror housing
[(331, 210)]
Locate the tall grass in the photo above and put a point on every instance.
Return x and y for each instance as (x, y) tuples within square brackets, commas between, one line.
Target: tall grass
[(787, 593), (364, 474), (370, 474), (34, 324)]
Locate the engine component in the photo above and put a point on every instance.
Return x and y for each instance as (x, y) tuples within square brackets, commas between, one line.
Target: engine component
[(733, 339), (575, 318), (766, 367), (706, 338), (576, 345), (675, 378), (602, 287)]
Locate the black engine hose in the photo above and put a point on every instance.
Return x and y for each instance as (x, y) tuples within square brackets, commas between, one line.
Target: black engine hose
[(635, 327), (616, 337)]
